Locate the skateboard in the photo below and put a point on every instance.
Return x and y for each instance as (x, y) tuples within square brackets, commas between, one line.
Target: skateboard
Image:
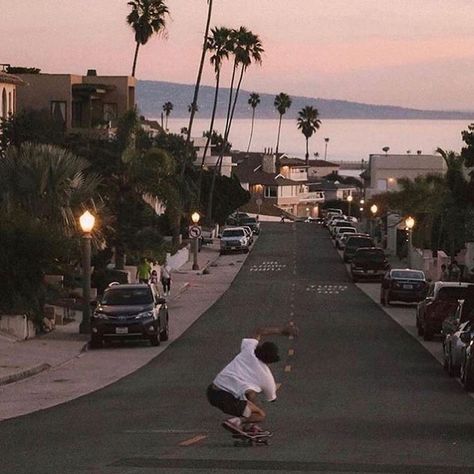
[(242, 438)]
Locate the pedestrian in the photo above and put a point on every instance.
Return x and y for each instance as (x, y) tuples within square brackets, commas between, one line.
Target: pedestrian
[(166, 279), (454, 271), (234, 390), (153, 281), (143, 271), (444, 273)]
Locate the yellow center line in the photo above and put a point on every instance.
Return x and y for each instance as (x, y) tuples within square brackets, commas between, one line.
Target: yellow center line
[(291, 352), (291, 337), (278, 385), (288, 368), (193, 440)]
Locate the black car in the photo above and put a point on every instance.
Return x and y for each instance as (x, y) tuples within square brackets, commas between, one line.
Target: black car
[(130, 311), (403, 285), (354, 243), (251, 222), (368, 263)]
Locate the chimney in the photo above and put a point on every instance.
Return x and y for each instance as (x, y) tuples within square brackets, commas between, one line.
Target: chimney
[(91, 72), (268, 162)]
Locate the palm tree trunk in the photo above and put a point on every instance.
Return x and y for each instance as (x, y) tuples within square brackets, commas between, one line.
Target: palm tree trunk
[(208, 141), (307, 152), (167, 115), (229, 105), (201, 67), (135, 59), (278, 137), (251, 129)]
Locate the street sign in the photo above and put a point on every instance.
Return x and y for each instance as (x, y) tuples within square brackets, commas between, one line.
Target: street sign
[(194, 231), (259, 202)]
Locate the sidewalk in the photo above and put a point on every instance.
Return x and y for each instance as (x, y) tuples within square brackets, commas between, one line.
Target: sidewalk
[(57, 367)]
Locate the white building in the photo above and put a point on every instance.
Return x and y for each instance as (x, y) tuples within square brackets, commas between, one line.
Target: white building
[(8, 85)]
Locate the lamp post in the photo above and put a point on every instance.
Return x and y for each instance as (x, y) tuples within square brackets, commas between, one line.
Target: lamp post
[(326, 140), (349, 200), (87, 221), (373, 210), (195, 217), (410, 223)]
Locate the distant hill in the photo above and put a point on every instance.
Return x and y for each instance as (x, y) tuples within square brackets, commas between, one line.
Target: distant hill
[(151, 95)]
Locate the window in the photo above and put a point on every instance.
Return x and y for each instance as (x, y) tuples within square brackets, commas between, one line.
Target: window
[(4, 110), (110, 112), (271, 191), (382, 184), (58, 111), (77, 114)]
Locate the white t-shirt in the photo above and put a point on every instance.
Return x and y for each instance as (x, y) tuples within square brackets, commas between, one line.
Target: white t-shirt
[(247, 372)]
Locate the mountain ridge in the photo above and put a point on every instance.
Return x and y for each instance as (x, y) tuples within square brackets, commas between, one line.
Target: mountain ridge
[(151, 95)]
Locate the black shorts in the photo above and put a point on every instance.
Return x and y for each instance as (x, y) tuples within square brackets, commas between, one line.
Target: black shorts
[(225, 401)]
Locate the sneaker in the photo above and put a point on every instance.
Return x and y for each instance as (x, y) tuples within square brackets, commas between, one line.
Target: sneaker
[(232, 424), (255, 430)]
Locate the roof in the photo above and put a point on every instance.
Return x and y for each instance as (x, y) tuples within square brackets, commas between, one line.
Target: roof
[(249, 170), (329, 186), (287, 161), (6, 78)]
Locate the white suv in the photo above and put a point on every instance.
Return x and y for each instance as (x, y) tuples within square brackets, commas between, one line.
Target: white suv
[(234, 238)]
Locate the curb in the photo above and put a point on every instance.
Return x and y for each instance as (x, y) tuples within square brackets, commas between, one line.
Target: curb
[(23, 374)]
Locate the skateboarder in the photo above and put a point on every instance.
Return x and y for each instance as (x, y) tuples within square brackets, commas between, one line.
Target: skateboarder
[(234, 390)]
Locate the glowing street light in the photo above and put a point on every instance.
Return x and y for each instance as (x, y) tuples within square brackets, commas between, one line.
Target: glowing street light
[(374, 209), (409, 224), (195, 217), (86, 221), (349, 200)]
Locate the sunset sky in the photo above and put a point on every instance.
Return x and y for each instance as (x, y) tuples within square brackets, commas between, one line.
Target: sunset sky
[(414, 53)]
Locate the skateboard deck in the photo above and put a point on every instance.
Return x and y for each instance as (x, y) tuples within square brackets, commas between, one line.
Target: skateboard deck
[(242, 438)]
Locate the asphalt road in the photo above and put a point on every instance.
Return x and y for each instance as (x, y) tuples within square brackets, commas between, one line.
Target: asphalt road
[(358, 394)]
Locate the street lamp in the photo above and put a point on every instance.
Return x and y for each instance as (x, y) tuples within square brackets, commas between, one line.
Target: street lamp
[(87, 221), (349, 200), (373, 210), (195, 217), (409, 224), (326, 148)]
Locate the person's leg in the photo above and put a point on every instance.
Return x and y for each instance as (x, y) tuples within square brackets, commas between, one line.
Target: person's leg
[(253, 413)]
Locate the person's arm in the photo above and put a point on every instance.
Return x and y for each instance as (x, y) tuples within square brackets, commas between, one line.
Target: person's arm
[(288, 330)]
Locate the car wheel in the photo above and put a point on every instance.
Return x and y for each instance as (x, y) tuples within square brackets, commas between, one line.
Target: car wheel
[(355, 279), (165, 333), (468, 376), (246, 250), (95, 342), (382, 300), (155, 340)]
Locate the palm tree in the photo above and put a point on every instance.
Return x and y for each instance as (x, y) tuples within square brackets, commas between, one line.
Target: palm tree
[(308, 122), (253, 101), (146, 18), (167, 109), (199, 75), (282, 103)]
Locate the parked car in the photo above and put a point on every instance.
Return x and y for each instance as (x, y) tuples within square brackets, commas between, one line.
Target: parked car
[(252, 222), (455, 339), (336, 225), (341, 230), (314, 220), (354, 243), (130, 311), (368, 263), (466, 371), (249, 233), (234, 238), (341, 239), (403, 285), (440, 303)]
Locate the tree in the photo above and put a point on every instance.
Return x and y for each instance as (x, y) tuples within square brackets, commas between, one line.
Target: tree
[(308, 122), (253, 101), (386, 149), (200, 69), (282, 103), (167, 109), (146, 18)]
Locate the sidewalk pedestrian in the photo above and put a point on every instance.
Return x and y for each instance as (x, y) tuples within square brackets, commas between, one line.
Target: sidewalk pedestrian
[(454, 271), (166, 279), (143, 271), (153, 281), (444, 276)]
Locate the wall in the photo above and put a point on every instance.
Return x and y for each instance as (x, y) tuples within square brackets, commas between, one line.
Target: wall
[(17, 326)]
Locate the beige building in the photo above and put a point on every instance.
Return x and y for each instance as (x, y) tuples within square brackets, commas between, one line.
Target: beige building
[(385, 171), (78, 102), (8, 94)]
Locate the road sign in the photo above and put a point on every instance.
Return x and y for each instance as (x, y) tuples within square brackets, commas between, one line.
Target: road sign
[(194, 231), (259, 202)]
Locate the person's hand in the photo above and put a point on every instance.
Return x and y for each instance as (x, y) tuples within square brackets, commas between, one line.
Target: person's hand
[(290, 330)]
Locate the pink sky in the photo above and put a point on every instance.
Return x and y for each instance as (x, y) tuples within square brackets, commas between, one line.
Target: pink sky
[(416, 53)]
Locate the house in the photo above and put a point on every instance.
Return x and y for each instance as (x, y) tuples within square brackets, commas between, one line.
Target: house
[(8, 94), (78, 102), (210, 161), (282, 186), (385, 170), (333, 190)]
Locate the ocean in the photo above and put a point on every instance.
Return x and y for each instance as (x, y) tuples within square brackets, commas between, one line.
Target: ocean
[(349, 140)]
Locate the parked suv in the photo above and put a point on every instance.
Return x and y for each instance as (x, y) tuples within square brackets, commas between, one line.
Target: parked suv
[(130, 311), (440, 303), (354, 243), (234, 238), (252, 222), (368, 263)]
